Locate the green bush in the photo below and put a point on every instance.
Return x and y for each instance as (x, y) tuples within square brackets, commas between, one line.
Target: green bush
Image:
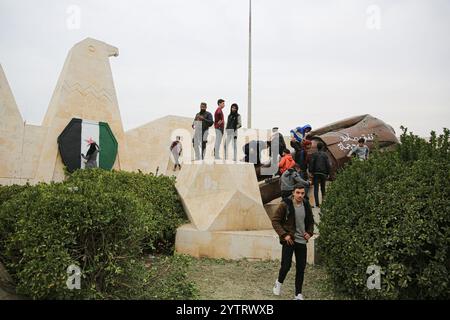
[(391, 211), (164, 212), (7, 222), (98, 220), (7, 192)]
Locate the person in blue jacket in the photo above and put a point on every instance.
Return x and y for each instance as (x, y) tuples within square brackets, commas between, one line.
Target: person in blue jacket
[(300, 133)]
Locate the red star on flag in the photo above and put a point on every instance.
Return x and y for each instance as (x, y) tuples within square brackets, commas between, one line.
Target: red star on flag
[(90, 141)]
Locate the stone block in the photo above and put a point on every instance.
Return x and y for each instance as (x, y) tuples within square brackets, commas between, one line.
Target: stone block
[(222, 196)]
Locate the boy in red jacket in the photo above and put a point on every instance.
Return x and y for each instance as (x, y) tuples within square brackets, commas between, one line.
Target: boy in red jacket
[(286, 161), (219, 125)]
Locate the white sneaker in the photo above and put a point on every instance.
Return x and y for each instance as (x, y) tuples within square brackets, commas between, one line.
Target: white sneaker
[(299, 297), (277, 288)]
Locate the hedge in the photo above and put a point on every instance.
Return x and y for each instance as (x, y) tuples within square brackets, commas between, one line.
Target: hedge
[(99, 220), (391, 211)]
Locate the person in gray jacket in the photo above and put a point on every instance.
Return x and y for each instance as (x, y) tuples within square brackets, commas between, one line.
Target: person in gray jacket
[(290, 179)]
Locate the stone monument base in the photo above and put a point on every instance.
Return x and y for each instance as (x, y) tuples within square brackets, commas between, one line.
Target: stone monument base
[(233, 245)]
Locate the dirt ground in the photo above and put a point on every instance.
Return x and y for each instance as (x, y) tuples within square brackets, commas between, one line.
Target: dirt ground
[(248, 280)]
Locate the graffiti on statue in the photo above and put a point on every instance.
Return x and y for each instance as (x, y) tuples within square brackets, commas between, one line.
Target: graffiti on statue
[(348, 142)]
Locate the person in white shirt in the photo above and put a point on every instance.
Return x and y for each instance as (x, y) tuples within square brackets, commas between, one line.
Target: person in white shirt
[(361, 150), (176, 149)]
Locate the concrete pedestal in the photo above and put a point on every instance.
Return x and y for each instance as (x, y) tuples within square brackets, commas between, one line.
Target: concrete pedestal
[(234, 245)]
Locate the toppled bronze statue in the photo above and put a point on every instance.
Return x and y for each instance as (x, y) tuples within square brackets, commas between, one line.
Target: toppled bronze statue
[(339, 138)]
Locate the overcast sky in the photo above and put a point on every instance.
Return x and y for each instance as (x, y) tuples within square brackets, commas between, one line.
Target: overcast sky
[(314, 61)]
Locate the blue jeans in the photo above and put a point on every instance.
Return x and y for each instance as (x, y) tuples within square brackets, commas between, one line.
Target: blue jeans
[(219, 135), (231, 137)]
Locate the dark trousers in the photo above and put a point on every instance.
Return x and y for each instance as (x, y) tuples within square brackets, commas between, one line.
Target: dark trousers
[(304, 174), (322, 179), (300, 264), (203, 149)]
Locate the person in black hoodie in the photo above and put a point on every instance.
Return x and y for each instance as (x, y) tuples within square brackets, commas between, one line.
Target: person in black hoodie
[(293, 221), (233, 124), (319, 168)]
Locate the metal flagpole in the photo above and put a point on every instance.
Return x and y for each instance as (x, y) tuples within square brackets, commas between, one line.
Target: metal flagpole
[(249, 105)]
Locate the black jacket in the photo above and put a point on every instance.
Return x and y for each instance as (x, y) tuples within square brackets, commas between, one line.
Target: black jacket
[(207, 122), (319, 163), (297, 155), (281, 144)]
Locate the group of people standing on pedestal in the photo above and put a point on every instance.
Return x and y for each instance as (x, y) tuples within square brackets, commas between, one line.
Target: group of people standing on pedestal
[(204, 119)]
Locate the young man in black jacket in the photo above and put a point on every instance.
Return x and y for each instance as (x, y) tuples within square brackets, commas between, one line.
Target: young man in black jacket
[(202, 121), (277, 138), (294, 223), (319, 168)]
